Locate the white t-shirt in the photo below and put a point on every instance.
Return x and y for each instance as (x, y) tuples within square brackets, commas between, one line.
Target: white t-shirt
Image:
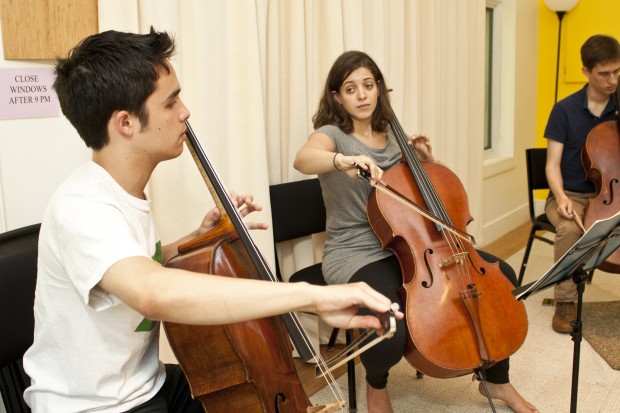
[(91, 352)]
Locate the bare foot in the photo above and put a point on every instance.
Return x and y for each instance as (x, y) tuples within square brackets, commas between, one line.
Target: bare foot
[(509, 395), (378, 400)]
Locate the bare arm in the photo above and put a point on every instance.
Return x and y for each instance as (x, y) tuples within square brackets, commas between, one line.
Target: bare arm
[(167, 294), (317, 156), (554, 177)]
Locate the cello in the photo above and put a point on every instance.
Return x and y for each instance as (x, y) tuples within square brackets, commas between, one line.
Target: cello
[(461, 315), (244, 366), (601, 159)]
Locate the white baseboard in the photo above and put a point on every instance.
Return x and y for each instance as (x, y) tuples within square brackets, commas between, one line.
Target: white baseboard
[(501, 226)]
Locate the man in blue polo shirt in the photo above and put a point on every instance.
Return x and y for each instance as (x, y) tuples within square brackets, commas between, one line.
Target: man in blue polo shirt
[(568, 126)]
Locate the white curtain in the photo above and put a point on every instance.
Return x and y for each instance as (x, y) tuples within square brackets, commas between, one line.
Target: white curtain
[(252, 72)]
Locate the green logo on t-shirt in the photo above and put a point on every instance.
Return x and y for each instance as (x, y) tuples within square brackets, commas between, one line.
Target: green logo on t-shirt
[(158, 256), (146, 324)]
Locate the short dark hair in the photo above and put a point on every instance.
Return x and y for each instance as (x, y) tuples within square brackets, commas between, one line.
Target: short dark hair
[(331, 113), (599, 49), (107, 72)]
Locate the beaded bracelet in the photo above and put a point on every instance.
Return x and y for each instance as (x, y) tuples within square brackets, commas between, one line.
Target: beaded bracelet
[(334, 162)]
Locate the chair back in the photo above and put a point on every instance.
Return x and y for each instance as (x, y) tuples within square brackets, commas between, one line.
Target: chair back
[(536, 160), (18, 275), (297, 210)]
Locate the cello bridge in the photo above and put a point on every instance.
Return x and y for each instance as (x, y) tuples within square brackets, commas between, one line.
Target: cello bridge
[(454, 259)]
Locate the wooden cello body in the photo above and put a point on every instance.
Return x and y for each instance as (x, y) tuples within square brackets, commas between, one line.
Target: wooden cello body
[(460, 313), (242, 367), (247, 366), (601, 159)]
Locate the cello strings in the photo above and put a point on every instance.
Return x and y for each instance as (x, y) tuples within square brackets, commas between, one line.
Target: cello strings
[(316, 355), (432, 198)]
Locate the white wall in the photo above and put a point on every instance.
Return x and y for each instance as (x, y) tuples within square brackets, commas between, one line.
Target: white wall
[(35, 156), (505, 184)]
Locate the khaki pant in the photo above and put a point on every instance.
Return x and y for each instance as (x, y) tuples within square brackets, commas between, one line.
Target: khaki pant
[(567, 234)]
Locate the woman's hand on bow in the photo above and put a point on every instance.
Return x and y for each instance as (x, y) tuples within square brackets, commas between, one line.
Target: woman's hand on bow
[(352, 163)]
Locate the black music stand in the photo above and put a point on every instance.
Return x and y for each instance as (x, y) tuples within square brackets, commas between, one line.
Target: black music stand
[(598, 243)]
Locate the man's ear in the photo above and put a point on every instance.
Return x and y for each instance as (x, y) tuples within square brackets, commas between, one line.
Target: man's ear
[(585, 71), (123, 122)]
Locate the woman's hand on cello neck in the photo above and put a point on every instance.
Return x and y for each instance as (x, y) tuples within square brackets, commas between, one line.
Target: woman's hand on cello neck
[(422, 145)]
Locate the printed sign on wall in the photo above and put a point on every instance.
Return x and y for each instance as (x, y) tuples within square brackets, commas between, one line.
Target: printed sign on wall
[(27, 93)]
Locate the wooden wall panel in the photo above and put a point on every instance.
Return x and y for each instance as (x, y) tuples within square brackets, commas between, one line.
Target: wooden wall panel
[(45, 29)]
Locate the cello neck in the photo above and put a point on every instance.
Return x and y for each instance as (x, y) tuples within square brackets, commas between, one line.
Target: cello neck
[(427, 190), (233, 225)]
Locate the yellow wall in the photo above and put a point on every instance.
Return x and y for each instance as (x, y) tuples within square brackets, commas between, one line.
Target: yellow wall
[(587, 18)]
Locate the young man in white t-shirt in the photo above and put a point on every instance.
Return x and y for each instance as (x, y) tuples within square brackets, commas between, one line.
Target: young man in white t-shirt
[(100, 279)]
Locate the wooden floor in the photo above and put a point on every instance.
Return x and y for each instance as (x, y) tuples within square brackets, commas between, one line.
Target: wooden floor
[(503, 248), (310, 383), (510, 243)]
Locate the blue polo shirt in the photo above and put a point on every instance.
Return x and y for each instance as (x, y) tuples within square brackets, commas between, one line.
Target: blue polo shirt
[(569, 123)]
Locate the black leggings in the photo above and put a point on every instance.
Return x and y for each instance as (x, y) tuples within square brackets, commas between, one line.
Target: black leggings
[(173, 397), (385, 277)]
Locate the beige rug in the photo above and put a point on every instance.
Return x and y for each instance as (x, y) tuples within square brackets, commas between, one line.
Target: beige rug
[(541, 370)]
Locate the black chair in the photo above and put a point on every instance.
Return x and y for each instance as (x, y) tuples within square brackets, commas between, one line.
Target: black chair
[(297, 210), (18, 275), (535, 160)]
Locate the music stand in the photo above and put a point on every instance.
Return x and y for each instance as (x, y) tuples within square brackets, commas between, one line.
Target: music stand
[(598, 243)]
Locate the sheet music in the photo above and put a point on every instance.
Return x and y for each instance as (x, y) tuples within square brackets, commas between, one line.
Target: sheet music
[(598, 243)]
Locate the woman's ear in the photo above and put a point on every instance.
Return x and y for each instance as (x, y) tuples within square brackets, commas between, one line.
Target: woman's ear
[(336, 97)]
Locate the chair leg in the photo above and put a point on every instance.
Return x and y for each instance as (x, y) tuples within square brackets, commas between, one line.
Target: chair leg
[(526, 256), (351, 375), (332, 339), (13, 382)]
